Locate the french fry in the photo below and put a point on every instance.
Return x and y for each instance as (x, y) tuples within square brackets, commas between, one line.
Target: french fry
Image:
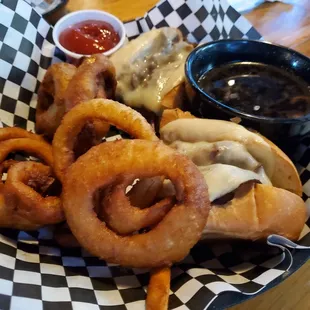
[(158, 289)]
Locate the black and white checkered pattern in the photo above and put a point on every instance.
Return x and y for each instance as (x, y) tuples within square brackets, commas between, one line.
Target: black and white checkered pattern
[(44, 7), (200, 21), (26, 51), (36, 274)]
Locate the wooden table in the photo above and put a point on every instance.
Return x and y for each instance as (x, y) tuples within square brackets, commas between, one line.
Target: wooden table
[(284, 24), (281, 23)]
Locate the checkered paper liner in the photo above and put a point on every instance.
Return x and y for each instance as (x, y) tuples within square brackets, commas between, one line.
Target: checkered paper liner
[(46, 6), (35, 273)]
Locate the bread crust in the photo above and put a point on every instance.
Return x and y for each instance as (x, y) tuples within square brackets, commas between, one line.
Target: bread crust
[(285, 173), (257, 210), (256, 214), (175, 98), (173, 114)]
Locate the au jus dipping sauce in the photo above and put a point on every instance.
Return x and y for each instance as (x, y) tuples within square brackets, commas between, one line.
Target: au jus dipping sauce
[(258, 89), (89, 37)]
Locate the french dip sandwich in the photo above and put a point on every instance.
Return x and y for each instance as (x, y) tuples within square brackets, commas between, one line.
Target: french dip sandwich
[(254, 187), (150, 70)]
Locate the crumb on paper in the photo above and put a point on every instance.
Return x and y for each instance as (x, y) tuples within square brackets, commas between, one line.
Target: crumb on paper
[(236, 120)]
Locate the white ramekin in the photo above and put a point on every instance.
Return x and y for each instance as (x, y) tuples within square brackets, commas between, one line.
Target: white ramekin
[(84, 15)]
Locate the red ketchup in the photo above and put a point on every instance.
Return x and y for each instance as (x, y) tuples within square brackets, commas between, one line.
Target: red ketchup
[(89, 37)]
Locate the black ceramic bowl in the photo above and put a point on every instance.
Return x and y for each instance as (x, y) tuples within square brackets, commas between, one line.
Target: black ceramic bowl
[(285, 132)]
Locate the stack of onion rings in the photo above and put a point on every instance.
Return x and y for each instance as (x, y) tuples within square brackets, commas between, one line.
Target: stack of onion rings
[(132, 229), (114, 165), (125, 229), (129, 121), (116, 226)]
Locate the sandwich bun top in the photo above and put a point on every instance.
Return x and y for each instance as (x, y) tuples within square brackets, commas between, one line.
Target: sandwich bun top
[(278, 167)]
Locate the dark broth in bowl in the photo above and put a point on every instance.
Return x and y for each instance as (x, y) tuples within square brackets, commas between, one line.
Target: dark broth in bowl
[(258, 89)]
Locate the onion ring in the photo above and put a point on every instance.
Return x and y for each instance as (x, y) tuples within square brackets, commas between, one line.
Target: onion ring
[(23, 207), (6, 165), (171, 239), (123, 218), (94, 78), (37, 148), (104, 110), (51, 104), (145, 191), (16, 132)]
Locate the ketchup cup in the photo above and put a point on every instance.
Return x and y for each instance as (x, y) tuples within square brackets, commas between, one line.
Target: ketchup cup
[(82, 16)]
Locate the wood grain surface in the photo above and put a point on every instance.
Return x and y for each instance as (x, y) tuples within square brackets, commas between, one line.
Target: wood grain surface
[(282, 23), (286, 24)]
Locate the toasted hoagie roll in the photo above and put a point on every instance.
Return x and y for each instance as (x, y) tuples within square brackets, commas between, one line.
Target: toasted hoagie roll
[(254, 187)]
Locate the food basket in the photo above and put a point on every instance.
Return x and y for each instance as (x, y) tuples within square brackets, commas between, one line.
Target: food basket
[(35, 273)]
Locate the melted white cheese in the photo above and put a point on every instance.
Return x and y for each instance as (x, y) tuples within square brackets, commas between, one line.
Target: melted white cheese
[(208, 130), (149, 67), (227, 154), (221, 180)]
